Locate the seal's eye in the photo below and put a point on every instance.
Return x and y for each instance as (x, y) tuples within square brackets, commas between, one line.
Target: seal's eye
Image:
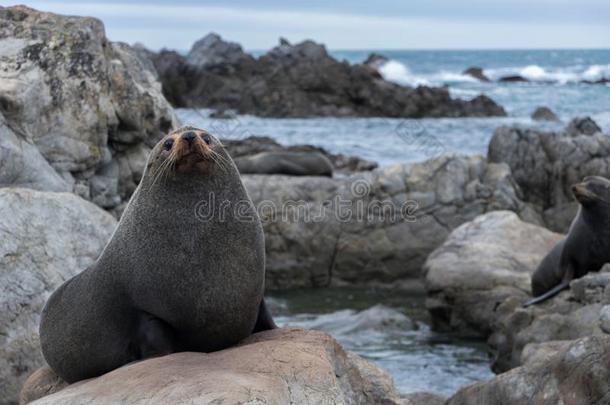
[(167, 145), (206, 138)]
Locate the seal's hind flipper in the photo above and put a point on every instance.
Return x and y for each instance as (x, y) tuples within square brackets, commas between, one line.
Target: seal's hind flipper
[(550, 293), (264, 320), (154, 338)]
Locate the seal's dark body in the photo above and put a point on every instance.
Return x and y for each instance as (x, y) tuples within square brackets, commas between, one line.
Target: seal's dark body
[(290, 163), (585, 249), (171, 278)]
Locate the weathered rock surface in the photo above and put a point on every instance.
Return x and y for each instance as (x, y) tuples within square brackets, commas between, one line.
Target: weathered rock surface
[(45, 238), (544, 114), (79, 100), (282, 366), (302, 80), (477, 73), (373, 227), (577, 374), (572, 314), (257, 144), (546, 164), (22, 164), (480, 265)]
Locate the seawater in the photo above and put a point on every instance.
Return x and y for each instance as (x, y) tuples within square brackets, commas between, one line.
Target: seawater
[(418, 359), (555, 75)]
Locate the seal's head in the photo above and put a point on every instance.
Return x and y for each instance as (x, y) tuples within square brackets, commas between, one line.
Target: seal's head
[(187, 150), (593, 190)]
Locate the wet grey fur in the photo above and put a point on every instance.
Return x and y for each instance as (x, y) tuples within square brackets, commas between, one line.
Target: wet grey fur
[(585, 249), (290, 163), (167, 281)]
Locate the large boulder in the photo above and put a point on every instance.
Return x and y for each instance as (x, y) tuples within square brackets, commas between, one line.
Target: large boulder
[(373, 227), (577, 373), (546, 164), (45, 238), (302, 80), (282, 366), (480, 265), (80, 99)]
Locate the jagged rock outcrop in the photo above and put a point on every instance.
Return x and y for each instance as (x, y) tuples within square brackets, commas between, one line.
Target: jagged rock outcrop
[(546, 164), (74, 106), (302, 80), (212, 50), (45, 239), (575, 313), (373, 227), (281, 366)]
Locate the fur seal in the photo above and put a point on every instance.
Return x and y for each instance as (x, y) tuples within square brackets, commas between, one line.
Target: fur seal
[(585, 249), (168, 280), (286, 162)]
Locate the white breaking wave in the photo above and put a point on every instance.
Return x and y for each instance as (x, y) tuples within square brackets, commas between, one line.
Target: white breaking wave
[(569, 74), (397, 72), (400, 73)]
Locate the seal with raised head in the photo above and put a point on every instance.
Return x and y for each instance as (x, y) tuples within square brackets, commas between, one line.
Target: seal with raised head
[(585, 249), (286, 162), (175, 276)]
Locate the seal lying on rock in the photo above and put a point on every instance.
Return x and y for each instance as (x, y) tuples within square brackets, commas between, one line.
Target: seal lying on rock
[(586, 248), (183, 271), (284, 162)]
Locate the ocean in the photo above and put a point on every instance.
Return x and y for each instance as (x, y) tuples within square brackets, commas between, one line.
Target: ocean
[(554, 75)]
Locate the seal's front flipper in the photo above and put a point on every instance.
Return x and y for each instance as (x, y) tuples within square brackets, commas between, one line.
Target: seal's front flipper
[(154, 338), (550, 293), (565, 283), (264, 320)]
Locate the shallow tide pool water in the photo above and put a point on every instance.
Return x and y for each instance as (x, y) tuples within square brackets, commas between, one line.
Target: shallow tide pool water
[(417, 358)]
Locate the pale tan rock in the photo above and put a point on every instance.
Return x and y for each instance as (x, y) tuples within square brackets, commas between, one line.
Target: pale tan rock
[(283, 366)]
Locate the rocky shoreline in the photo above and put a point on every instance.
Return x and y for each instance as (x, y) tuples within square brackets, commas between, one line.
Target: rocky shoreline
[(469, 230), (300, 80)]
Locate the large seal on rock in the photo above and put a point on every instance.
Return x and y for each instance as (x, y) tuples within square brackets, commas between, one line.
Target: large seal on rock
[(283, 162), (172, 278), (586, 248)]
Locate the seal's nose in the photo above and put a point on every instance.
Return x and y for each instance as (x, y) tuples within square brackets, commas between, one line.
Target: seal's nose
[(188, 136)]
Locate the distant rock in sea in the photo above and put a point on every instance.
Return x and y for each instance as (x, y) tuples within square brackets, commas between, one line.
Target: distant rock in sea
[(544, 114), (477, 73), (299, 80), (513, 79)]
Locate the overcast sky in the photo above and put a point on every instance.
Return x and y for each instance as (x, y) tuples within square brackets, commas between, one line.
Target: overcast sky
[(343, 24)]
